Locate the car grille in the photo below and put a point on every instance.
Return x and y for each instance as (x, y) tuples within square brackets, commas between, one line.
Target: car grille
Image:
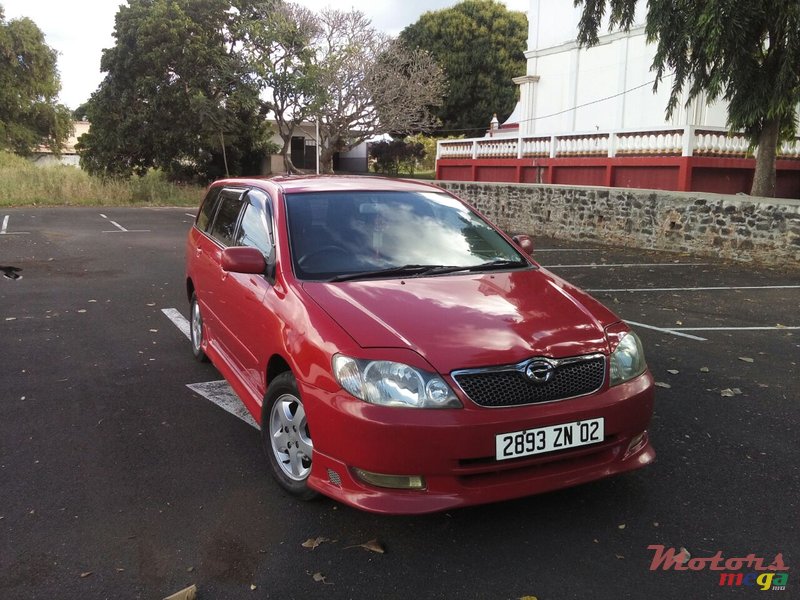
[(508, 386)]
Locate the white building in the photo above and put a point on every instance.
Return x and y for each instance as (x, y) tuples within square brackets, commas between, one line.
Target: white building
[(589, 116), (568, 89)]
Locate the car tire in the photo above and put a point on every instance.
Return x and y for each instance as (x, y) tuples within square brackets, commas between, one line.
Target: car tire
[(286, 438), (196, 330)]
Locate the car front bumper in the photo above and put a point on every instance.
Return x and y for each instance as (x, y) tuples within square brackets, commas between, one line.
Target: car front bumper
[(454, 449)]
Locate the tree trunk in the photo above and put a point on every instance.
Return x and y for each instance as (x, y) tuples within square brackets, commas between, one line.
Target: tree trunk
[(764, 177), (287, 158), (326, 160)]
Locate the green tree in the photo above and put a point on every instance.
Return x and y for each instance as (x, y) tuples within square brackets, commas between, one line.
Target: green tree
[(177, 94), (391, 155), (745, 51), (480, 45), (29, 85), (279, 45)]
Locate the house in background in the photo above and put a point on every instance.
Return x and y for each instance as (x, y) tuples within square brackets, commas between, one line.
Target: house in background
[(590, 117), (303, 152), (44, 157)]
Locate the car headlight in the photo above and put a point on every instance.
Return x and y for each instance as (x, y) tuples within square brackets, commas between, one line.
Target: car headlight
[(390, 383), (627, 361)]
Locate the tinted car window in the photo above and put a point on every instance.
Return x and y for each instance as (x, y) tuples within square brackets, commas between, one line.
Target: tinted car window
[(206, 214), (335, 233), (227, 218)]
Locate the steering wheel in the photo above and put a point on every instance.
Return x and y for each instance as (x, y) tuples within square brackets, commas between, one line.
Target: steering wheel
[(310, 256)]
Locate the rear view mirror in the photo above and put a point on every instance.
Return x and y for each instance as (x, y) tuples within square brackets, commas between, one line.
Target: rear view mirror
[(524, 242), (242, 259)]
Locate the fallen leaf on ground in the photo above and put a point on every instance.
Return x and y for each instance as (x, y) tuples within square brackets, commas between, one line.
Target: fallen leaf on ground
[(684, 555), (621, 526), (312, 543), (528, 598), (727, 393), (319, 577), (746, 359), (253, 587), (86, 574), (661, 384), (189, 593), (619, 556), (371, 545), (673, 371), (704, 369)]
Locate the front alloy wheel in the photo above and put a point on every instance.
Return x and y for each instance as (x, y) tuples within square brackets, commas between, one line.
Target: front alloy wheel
[(286, 436)]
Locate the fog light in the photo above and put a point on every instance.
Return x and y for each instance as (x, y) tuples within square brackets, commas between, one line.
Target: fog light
[(399, 482), (636, 443)]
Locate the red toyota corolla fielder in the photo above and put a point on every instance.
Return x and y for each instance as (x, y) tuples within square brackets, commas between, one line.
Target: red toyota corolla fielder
[(401, 354)]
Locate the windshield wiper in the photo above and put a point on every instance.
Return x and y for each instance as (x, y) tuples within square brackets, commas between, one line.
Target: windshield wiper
[(498, 264), (422, 270), (409, 270)]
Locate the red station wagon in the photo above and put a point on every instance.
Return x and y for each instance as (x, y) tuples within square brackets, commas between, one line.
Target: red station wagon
[(403, 355)]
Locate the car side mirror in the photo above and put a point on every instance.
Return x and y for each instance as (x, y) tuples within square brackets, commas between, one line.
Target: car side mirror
[(243, 259), (524, 242)]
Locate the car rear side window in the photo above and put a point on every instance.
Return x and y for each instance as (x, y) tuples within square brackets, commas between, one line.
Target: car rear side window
[(206, 214), (227, 218)]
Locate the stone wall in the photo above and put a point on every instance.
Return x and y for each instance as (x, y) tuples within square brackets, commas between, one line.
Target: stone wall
[(765, 230)]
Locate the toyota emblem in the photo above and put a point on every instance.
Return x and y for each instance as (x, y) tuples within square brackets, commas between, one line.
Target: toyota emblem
[(539, 371)]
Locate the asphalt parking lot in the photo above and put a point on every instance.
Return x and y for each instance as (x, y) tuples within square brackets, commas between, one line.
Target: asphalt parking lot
[(118, 480)]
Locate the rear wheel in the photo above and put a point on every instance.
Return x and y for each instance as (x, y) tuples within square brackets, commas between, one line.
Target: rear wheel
[(196, 330), (286, 438)]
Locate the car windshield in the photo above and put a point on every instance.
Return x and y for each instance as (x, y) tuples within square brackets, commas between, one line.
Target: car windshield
[(357, 235)]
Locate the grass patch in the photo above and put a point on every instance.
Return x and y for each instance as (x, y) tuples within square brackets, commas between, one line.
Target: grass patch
[(24, 184)]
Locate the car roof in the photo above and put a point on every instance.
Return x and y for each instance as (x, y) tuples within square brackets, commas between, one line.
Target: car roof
[(327, 183)]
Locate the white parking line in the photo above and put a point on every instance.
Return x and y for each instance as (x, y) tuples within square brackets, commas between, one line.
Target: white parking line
[(566, 250), (669, 331), (4, 228), (190, 215), (221, 394), (698, 289), (120, 228), (770, 328), (218, 392), (626, 265), (178, 320)]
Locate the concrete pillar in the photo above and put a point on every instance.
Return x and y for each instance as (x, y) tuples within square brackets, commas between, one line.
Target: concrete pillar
[(527, 98)]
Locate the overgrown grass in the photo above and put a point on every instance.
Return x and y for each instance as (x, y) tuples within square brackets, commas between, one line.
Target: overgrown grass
[(24, 184)]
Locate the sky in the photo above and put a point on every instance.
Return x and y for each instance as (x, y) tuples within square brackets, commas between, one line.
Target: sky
[(80, 29)]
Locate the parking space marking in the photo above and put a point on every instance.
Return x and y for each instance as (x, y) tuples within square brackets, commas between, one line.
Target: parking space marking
[(698, 289), (626, 265), (120, 228), (190, 215), (567, 250), (4, 228), (767, 328), (669, 331), (218, 392), (174, 315), (221, 394)]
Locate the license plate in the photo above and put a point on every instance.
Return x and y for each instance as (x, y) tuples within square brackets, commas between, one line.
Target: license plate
[(548, 439)]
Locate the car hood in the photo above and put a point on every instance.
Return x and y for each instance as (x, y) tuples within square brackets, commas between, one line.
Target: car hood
[(467, 321)]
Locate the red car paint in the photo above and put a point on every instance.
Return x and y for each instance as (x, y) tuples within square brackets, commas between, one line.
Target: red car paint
[(255, 326)]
